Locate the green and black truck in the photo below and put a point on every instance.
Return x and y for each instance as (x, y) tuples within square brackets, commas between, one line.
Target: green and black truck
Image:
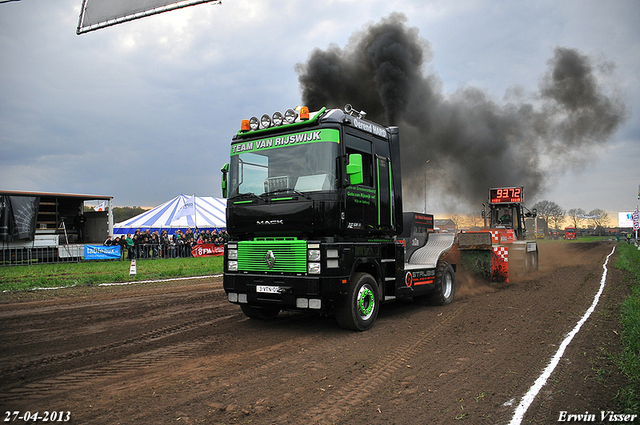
[(315, 220)]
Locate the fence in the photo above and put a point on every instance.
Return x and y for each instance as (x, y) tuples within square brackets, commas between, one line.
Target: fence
[(75, 253), (10, 256)]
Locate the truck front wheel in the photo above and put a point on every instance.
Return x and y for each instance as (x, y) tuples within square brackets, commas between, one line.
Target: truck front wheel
[(445, 289), (359, 309)]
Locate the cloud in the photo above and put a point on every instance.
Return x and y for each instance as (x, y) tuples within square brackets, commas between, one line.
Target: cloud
[(471, 141)]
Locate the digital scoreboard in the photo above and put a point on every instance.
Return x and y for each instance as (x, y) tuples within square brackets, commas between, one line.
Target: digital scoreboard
[(506, 195)]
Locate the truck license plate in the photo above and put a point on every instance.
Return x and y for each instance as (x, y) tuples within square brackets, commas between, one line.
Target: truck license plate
[(268, 289)]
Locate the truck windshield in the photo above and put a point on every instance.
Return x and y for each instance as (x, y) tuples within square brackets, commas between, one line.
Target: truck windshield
[(309, 167)]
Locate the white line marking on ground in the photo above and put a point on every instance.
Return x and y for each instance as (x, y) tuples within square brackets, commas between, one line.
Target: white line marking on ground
[(124, 283), (542, 380), (159, 280)]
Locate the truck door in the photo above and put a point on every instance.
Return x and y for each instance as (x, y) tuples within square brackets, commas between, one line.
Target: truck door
[(361, 203)]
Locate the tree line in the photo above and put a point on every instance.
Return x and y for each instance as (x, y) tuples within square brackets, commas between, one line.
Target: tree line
[(577, 217), (121, 214), (553, 214)]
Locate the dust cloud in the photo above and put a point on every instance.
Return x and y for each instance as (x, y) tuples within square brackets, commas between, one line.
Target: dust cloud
[(469, 285), (472, 141)]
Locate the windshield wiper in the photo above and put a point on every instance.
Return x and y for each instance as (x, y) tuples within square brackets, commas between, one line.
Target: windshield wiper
[(297, 192), (248, 195)]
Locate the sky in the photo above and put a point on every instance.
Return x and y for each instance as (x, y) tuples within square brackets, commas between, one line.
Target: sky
[(145, 110)]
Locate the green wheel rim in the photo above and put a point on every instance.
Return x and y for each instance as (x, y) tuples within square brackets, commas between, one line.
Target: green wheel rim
[(366, 302)]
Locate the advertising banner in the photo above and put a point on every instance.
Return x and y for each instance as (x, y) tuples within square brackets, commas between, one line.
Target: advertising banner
[(207, 250), (625, 219), (99, 252)]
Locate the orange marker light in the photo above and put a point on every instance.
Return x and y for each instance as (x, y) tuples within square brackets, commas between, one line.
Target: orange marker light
[(304, 113), (245, 125)]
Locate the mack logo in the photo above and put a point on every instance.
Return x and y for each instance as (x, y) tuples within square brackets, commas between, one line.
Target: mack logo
[(269, 222), (270, 259)]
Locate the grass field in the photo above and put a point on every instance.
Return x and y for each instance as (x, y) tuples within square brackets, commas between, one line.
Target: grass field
[(629, 362), (20, 278)]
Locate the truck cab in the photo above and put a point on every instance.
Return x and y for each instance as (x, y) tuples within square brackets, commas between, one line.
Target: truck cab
[(313, 213), (569, 233)]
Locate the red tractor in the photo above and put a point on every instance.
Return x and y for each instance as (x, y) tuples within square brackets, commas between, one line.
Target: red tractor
[(504, 218)]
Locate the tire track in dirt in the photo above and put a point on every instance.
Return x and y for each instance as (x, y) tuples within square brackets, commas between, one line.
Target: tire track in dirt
[(68, 381), (153, 335), (358, 390)]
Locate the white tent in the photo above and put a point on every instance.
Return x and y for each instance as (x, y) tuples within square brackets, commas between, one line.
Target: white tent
[(182, 212)]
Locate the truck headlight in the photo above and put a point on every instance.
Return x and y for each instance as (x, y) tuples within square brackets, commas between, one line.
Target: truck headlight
[(232, 254), (232, 266), (290, 116), (313, 255), (277, 118), (254, 123), (265, 121), (313, 268)]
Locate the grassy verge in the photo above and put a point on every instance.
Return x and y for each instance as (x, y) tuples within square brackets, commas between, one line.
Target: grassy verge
[(579, 239), (629, 260), (20, 278)]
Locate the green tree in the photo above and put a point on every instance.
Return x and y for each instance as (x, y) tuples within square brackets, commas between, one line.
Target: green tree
[(121, 214)]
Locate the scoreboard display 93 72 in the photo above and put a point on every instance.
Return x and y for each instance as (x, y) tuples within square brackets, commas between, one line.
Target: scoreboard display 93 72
[(506, 195)]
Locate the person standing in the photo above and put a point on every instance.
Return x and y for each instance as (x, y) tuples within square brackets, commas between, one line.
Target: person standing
[(129, 241), (123, 246), (78, 225), (137, 241)]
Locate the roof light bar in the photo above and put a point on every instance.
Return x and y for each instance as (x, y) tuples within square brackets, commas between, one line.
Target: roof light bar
[(290, 116)]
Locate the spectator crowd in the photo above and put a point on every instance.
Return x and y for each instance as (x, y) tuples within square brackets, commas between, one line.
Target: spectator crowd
[(147, 244)]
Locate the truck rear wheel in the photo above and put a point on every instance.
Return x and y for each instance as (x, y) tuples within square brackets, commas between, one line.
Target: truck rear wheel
[(359, 310), (260, 313), (445, 281)]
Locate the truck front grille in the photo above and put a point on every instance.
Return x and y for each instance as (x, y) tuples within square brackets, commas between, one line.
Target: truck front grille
[(277, 255)]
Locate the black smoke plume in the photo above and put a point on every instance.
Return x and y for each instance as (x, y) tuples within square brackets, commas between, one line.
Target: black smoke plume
[(471, 142)]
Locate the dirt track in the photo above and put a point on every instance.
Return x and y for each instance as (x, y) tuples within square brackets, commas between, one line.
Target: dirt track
[(180, 353)]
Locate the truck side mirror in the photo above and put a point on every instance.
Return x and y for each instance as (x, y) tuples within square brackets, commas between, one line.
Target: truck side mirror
[(354, 169), (225, 171)]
